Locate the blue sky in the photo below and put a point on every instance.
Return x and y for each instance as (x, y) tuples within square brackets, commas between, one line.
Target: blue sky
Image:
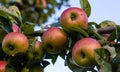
[(101, 10)]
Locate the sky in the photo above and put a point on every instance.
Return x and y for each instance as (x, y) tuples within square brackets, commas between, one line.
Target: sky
[(100, 10)]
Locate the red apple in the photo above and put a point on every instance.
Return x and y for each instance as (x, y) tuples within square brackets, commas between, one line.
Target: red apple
[(83, 52), (73, 17), (54, 40), (3, 65), (15, 42)]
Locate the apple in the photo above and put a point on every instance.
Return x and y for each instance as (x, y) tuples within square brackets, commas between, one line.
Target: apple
[(54, 40), (38, 52), (14, 42), (83, 52), (73, 17), (107, 23), (40, 3), (3, 65)]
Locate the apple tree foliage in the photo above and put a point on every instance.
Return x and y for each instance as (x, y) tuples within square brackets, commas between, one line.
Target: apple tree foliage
[(29, 13)]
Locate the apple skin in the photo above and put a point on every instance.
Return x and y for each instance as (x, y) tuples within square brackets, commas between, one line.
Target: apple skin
[(83, 52), (73, 17), (39, 52), (15, 42), (54, 40), (3, 65)]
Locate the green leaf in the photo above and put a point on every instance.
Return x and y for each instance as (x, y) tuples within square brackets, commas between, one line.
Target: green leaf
[(96, 34), (111, 51), (5, 24), (28, 28), (10, 69), (102, 59), (80, 30), (11, 13), (54, 58), (117, 58), (86, 6), (115, 34)]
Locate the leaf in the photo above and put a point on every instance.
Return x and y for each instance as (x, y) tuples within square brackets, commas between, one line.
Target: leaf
[(10, 69), (86, 6), (102, 59), (28, 28), (114, 35), (95, 33), (11, 13), (5, 24), (111, 51), (63, 54), (54, 58), (117, 58), (80, 30)]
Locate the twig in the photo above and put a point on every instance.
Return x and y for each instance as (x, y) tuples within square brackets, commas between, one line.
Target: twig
[(106, 30)]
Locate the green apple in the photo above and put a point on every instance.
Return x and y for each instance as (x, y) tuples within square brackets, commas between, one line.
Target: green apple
[(83, 52), (73, 17), (38, 52), (3, 65), (54, 40), (107, 23), (15, 42)]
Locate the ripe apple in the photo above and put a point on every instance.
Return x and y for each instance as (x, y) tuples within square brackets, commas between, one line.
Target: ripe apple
[(15, 42), (54, 40), (73, 17), (3, 65), (83, 52), (38, 52)]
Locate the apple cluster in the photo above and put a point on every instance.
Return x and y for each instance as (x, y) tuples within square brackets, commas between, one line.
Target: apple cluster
[(55, 40), (82, 53)]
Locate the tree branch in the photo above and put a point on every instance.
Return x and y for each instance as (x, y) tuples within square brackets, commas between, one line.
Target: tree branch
[(106, 30)]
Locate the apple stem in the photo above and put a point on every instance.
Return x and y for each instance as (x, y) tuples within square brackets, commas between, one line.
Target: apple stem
[(107, 30), (73, 16), (82, 54)]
